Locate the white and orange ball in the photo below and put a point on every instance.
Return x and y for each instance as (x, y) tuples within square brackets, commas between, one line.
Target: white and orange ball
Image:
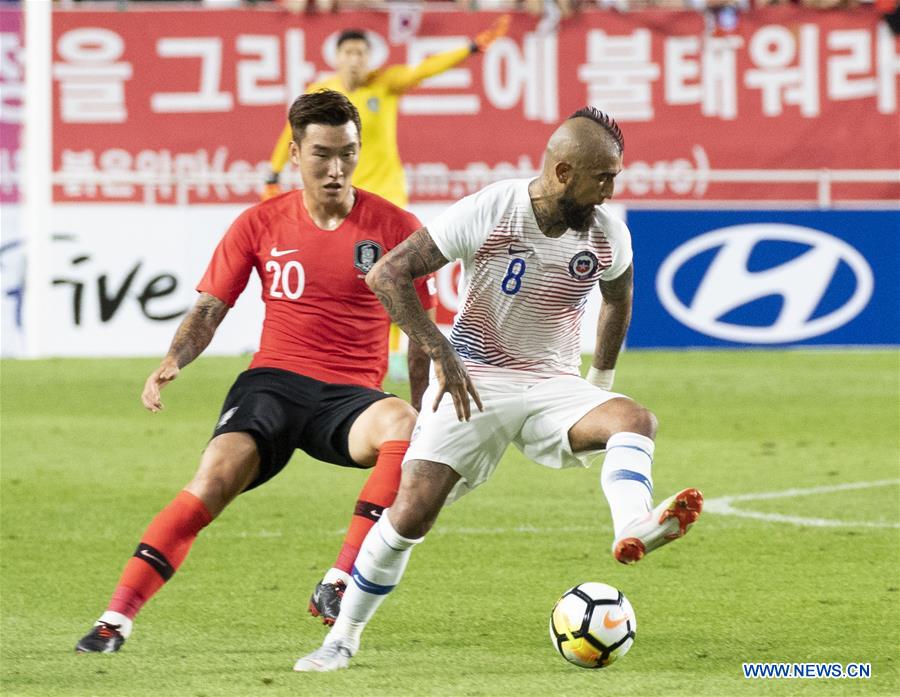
[(592, 625)]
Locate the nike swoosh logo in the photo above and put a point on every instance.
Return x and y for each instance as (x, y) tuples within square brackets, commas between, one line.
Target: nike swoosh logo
[(281, 252), (145, 553), (513, 250), (612, 624)]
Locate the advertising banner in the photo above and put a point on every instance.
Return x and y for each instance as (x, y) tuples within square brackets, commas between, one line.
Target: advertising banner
[(122, 277), (12, 88), (164, 119), (765, 278), (12, 256), (174, 94)]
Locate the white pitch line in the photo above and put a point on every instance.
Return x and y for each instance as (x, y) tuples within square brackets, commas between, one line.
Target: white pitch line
[(243, 534), (529, 529), (722, 506), (516, 529)]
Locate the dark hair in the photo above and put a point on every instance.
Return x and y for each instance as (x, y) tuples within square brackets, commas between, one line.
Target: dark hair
[(608, 124), (352, 35), (325, 107)]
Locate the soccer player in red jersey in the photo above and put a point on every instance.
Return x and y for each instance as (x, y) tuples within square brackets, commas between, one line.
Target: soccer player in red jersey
[(314, 384)]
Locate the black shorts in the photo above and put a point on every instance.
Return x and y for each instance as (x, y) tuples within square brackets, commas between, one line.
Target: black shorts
[(285, 411)]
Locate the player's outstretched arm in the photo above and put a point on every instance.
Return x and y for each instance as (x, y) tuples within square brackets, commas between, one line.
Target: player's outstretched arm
[(402, 78), (391, 279), (191, 338), (612, 325)]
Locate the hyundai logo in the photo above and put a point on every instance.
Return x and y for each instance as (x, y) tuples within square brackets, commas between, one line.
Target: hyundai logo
[(728, 284)]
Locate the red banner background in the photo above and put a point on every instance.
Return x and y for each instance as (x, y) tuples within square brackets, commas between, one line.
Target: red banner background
[(164, 93), (12, 87)]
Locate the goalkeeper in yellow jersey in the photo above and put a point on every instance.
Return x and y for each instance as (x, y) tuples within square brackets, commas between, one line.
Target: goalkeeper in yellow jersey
[(376, 94)]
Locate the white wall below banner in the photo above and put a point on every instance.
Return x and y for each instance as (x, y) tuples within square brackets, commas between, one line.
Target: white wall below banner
[(12, 281), (122, 277), (119, 278)]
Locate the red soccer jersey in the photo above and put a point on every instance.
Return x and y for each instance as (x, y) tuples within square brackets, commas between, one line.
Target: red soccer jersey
[(322, 320)]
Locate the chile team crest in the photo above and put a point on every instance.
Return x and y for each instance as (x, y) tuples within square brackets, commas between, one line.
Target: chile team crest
[(583, 265), (365, 254)]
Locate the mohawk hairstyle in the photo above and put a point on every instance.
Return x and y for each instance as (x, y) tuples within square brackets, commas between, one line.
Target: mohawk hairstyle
[(608, 124)]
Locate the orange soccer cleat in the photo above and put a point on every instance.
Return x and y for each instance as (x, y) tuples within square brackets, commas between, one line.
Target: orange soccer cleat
[(669, 521)]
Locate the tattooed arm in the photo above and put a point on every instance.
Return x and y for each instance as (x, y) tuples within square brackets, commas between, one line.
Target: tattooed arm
[(612, 325), (417, 362), (191, 338), (391, 279)]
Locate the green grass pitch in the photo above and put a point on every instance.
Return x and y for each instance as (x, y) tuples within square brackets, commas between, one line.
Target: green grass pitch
[(84, 468)]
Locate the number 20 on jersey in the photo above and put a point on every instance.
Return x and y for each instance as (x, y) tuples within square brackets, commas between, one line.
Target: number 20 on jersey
[(287, 281)]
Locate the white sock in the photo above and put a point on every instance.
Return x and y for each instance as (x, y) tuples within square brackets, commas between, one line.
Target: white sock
[(626, 478), (124, 623), (333, 575), (378, 568)]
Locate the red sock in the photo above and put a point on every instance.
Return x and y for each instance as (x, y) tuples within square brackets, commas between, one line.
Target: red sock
[(377, 493), (163, 547)]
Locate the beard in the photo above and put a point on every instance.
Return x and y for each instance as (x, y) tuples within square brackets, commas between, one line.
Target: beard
[(576, 216)]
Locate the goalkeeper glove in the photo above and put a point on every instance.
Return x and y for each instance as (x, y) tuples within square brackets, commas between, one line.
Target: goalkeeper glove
[(271, 188), (490, 35)]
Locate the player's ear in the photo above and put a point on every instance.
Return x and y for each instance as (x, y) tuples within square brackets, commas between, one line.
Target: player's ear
[(563, 171), (295, 153)]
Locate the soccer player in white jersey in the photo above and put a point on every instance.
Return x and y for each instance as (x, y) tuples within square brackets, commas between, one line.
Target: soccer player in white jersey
[(531, 252)]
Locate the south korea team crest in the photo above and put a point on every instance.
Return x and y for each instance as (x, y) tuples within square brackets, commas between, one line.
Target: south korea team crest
[(583, 265), (365, 254)]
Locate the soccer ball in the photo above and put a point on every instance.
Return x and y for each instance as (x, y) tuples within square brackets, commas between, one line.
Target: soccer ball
[(592, 625)]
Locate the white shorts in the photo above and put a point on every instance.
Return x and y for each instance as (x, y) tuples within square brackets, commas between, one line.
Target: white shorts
[(535, 415)]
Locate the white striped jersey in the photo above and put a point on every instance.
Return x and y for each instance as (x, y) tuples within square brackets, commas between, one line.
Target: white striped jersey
[(523, 293)]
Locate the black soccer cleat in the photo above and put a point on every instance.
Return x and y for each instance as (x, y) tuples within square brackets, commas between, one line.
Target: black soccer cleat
[(325, 602), (103, 638)]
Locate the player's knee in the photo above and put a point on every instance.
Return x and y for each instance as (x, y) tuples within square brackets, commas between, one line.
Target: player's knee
[(413, 515), (642, 421), (631, 417), (412, 521), (227, 467), (396, 420)]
